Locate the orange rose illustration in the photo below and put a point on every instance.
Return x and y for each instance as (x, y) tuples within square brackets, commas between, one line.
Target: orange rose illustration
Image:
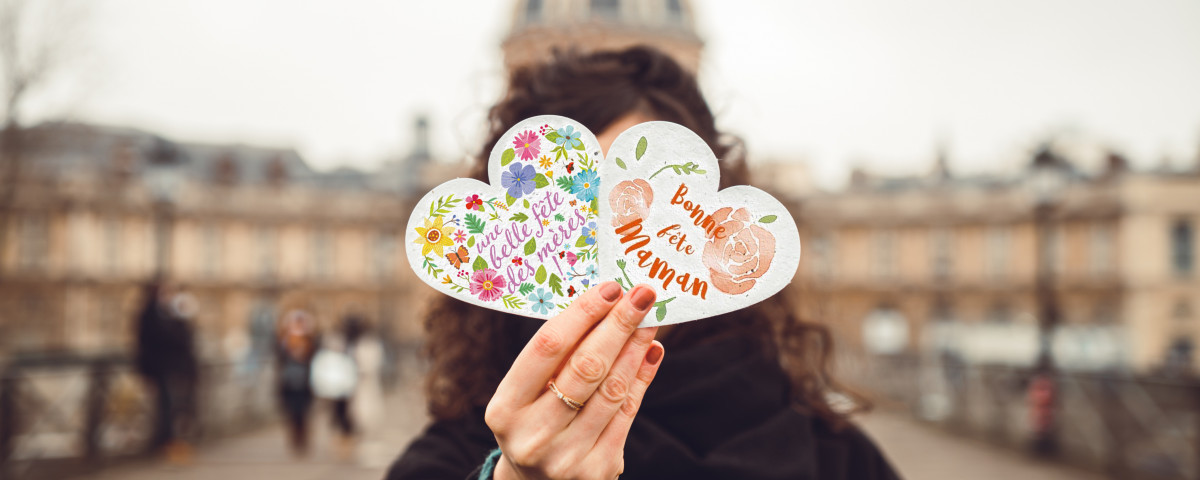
[(743, 254), (630, 200)]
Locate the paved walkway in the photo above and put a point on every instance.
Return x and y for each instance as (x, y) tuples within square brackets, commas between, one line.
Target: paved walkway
[(917, 450), (264, 454), (923, 452)]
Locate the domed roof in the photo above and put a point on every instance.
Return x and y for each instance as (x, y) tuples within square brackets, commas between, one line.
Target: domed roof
[(540, 26)]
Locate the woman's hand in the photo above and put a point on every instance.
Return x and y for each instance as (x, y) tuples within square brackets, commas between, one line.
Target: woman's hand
[(596, 355)]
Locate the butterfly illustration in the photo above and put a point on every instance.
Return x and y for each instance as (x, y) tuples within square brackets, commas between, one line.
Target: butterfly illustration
[(573, 202), (459, 258), (562, 254), (571, 167)]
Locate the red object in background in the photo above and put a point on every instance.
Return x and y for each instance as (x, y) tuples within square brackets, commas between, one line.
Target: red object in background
[(1041, 403)]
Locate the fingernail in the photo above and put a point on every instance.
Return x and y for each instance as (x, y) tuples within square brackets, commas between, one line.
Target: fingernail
[(655, 353), (610, 291), (642, 298)]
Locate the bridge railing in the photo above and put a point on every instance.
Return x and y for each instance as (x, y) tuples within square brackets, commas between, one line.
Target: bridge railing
[(63, 415), (1126, 425)]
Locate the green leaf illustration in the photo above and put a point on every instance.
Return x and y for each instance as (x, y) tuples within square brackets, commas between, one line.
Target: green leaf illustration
[(621, 163), (596, 204), (531, 246), (507, 157), (552, 136), (582, 242), (559, 217), (442, 206), (565, 182), (556, 284), (526, 204), (509, 198), (512, 302), (471, 242), (526, 288), (479, 264), (768, 219), (660, 310), (519, 217), (641, 148), (474, 223), (541, 181), (540, 276)]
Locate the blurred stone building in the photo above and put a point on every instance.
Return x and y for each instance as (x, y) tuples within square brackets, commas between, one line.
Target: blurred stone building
[(541, 26), (99, 211), (945, 265)]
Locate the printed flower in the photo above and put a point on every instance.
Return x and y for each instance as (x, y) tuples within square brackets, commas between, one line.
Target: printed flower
[(590, 272), (545, 162), (518, 179), (540, 301), (568, 137), (460, 236), (518, 261), (486, 284), (587, 185), (474, 202), (549, 173), (545, 222), (572, 258), (434, 236), (527, 145), (741, 255), (630, 200), (589, 233)]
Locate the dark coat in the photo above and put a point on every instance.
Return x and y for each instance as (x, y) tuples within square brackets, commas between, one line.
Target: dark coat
[(166, 345), (718, 411)]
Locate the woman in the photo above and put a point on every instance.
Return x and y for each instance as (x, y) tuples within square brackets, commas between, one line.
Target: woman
[(166, 357), (743, 395), (296, 345)]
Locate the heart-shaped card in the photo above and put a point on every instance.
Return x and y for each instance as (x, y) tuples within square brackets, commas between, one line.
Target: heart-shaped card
[(558, 218)]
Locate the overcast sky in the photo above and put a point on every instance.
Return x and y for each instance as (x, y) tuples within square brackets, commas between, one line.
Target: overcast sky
[(877, 83)]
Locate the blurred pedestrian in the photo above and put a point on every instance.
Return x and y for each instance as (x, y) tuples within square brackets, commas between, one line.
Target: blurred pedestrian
[(166, 358), (346, 372), (297, 341)]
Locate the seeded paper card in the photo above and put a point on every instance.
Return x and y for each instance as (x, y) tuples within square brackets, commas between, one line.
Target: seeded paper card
[(558, 218)]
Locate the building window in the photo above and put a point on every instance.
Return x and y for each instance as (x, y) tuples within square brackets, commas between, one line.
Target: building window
[(214, 246), (33, 245), (1101, 250), (322, 253), (112, 245), (824, 256), (384, 261), (675, 10), (885, 254), (942, 253), (533, 10), (1182, 310), (606, 8), (1000, 313), (999, 249), (267, 251), (942, 312), (1182, 252)]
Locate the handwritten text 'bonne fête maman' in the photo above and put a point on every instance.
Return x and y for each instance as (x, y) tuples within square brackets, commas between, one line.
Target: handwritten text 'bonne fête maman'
[(631, 235)]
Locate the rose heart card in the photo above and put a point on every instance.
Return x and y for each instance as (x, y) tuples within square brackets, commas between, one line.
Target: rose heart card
[(558, 217)]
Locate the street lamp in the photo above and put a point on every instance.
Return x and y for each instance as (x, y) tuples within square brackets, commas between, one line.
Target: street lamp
[(162, 177), (1048, 177)]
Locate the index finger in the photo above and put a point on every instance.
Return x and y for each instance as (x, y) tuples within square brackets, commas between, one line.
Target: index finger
[(540, 358)]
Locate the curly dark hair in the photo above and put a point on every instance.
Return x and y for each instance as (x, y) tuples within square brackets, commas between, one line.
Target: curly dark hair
[(471, 348)]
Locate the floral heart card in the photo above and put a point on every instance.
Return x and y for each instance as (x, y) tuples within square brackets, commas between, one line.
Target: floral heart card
[(558, 217)]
